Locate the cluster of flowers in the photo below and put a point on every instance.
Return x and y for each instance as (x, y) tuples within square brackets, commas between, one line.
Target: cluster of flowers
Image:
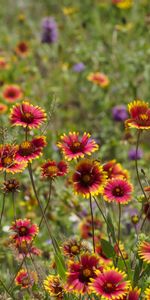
[(87, 272)]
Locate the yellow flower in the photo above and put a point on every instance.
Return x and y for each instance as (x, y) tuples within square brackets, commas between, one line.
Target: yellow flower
[(124, 27), (69, 10), (123, 4)]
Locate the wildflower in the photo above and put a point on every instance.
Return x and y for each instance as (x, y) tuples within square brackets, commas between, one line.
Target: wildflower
[(110, 284), (140, 115), (8, 161), (79, 67), (29, 150), (23, 249), (115, 170), (123, 4), (118, 190), (147, 293), (3, 108), (10, 186), (86, 227), (134, 154), (120, 250), (27, 115), (80, 273), (88, 178), (73, 247), (133, 294), (12, 93), (22, 49), (74, 147), (51, 169), (99, 78), (3, 63), (49, 30), (144, 251), (119, 113), (53, 286), (125, 27), (24, 231), (26, 279), (70, 10)]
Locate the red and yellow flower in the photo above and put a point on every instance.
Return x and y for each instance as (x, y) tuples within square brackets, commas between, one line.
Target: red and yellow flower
[(114, 170), (26, 279), (74, 147), (22, 49), (24, 231), (51, 169), (8, 160), (133, 294), (118, 190), (53, 286), (29, 150), (147, 294), (3, 108), (73, 247), (99, 78), (144, 251), (3, 63), (80, 273), (27, 115), (86, 227), (24, 249), (110, 284), (140, 115), (12, 93), (89, 178)]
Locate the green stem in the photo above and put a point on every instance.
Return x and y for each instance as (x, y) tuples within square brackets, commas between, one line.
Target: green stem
[(92, 221), (48, 202), (6, 289)]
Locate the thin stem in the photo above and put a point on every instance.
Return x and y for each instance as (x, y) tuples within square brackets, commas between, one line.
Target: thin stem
[(92, 221), (3, 207), (48, 202), (119, 223), (6, 289)]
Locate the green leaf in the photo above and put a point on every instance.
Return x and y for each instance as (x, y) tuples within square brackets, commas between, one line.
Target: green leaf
[(107, 248), (60, 266), (137, 272), (110, 227)]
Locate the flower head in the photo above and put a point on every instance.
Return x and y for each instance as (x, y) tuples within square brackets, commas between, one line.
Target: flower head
[(73, 247), (118, 190), (79, 67), (80, 273), (10, 186), (3, 108), (123, 4), (22, 49), (110, 284), (133, 294), (53, 286), (49, 30), (115, 170), (3, 63), (140, 115), (88, 178), (8, 160), (99, 78), (12, 93), (144, 251), (26, 280), (29, 150), (147, 293), (23, 249), (134, 154), (119, 113), (51, 169), (27, 115), (24, 231), (86, 227), (74, 147)]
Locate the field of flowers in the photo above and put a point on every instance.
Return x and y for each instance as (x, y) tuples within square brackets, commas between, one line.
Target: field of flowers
[(74, 150)]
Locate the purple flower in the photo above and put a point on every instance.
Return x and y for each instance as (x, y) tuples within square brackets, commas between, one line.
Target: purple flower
[(79, 67), (132, 155), (119, 113), (49, 30)]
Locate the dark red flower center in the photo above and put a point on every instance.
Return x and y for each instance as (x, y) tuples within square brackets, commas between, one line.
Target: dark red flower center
[(26, 148), (11, 93), (109, 287), (23, 47), (27, 117), (118, 191), (76, 147), (85, 275), (23, 231)]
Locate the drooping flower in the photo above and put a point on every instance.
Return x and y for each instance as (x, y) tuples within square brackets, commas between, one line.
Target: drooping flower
[(119, 113), (80, 273), (3, 108), (78, 67), (110, 284), (29, 150), (27, 115), (24, 231), (115, 170), (22, 49), (10, 186), (73, 247), (99, 78), (147, 294), (23, 249), (86, 227), (74, 147), (53, 286), (144, 251), (51, 169), (88, 178), (118, 190), (12, 93), (26, 279), (49, 30), (8, 161), (134, 154), (140, 115)]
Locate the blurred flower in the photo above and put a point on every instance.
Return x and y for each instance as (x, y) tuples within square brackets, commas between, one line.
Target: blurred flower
[(27, 115), (120, 250), (115, 170), (119, 113), (70, 10), (29, 150), (10, 186), (74, 147), (86, 227), (80, 273), (23, 249), (21, 18), (124, 27), (99, 78), (22, 49), (88, 178), (133, 294), (140, 115), (118, 190), (24, 230), (3, 63), (110, 284), (134, 154), (49, 30), (12, 93), (52, 169), (79, 67), (8, 161), (26, 279), (144, 251), (123, 3), (73, 247), (147, 293), (3, 108), (53, 286)]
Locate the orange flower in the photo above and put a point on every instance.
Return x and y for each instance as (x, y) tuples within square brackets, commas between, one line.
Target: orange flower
[(99, 78), (3, 63), (3, 108), (12, 93), (22, 49)]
